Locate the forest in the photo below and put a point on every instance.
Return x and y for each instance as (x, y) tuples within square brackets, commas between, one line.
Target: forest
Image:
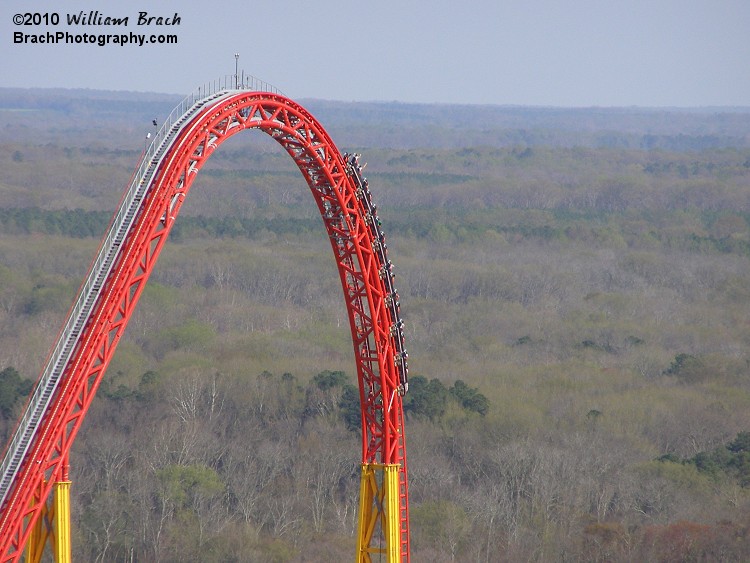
[(576, 290)]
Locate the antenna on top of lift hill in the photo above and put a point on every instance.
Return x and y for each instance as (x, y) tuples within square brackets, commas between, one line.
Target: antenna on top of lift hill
[(236, 70)]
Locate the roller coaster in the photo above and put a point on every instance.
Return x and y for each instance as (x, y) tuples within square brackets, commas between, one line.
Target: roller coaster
[(34, 475)]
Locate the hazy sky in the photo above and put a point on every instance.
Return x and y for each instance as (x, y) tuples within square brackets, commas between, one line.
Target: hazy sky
[(525, 52)]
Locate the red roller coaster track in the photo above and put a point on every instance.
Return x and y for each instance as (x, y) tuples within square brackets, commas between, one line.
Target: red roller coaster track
[(36, 458)]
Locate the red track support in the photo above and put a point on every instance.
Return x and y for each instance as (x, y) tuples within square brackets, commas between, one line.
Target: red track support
[(349, 218)]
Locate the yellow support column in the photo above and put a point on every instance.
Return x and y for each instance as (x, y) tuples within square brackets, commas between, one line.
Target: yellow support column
[(392, 518), (52, 527), (368, 513), (379, 506), (37, 538), (63, 550)]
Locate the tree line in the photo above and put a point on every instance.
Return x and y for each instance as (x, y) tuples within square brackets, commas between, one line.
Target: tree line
[(575, 316)]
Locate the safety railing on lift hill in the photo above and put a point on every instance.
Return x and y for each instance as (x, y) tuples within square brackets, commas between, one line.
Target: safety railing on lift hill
[(239, 81), (100, 269)]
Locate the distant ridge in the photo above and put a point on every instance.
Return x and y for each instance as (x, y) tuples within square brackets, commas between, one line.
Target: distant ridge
[(402, 125)]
